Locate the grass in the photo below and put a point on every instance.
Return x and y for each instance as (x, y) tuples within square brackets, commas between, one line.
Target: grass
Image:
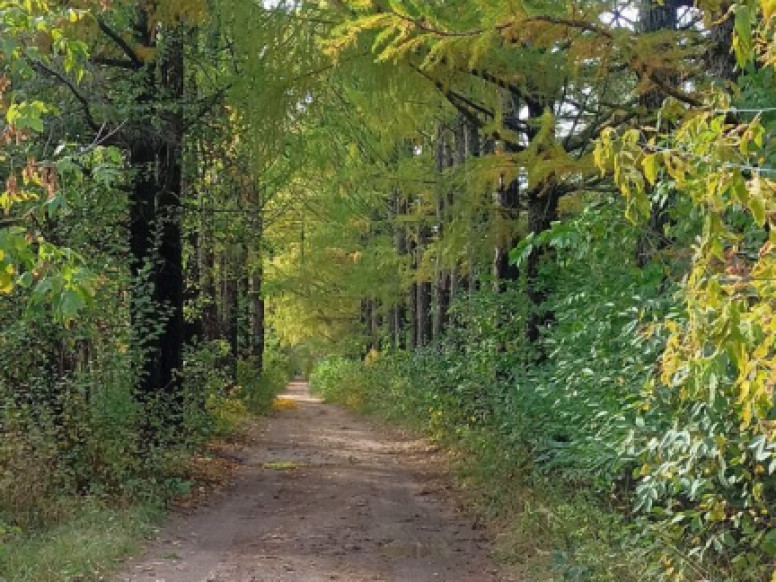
[(86, 547)]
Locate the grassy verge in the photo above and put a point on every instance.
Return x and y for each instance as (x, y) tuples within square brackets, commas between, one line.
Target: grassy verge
[(546, 529), (89, 543)]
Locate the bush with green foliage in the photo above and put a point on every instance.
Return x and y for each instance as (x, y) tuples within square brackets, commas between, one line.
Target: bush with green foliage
[(558, 417)]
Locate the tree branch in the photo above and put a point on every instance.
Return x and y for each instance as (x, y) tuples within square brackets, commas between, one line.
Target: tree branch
[(119, 63), (85, 105), (124, 45)]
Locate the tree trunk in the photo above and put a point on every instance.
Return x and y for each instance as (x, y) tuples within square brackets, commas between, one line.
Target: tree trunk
[(257, 319), (654, 17), (508, 209), (424, 290), (442, 274), (457, 282), (229, 308), (366, 326), (156, 238), (398, 315), (209, 298), (542, 212), (719, 59), (508, 206), (473, 150)]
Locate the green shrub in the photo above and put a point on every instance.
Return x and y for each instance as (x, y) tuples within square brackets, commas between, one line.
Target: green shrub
[(260, 389)]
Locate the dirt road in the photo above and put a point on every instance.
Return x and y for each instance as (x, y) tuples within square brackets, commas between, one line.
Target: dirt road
[(321, 495)]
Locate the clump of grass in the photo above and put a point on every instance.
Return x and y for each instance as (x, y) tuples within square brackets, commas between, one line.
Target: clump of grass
[(85, 548)]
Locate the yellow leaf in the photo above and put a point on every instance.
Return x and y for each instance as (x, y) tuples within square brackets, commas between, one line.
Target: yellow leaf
[(769, 10), (650, 165), (6, 283)]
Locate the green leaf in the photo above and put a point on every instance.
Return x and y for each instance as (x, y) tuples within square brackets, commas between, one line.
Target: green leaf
[(70, 304), (742, 41)]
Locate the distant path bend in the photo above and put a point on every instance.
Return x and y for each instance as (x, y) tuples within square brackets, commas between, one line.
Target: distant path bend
[(322, 496)]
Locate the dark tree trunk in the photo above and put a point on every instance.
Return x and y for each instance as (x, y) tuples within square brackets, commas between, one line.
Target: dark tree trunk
[(508, 205), (156, 237), (424, 291), (457, 282), (473, 150), (209, 298), (425, 330), (244, 311), (412, 340), (194, 327), (376, 321), (171, 282), (366, 326), (257, 319), (398, 315), (654, 17), (720, 61), (442, 285), (508, 210), (542, 212), (397, 326), (412, 337), (229, 309)]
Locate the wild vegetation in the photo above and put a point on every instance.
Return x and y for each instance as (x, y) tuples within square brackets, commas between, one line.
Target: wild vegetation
[(130, 294), (539, 231)]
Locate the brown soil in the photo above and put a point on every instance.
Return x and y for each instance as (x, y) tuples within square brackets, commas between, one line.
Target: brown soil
[(323, 495)]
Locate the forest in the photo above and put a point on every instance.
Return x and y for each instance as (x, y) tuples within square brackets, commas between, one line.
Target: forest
[(537, 231)]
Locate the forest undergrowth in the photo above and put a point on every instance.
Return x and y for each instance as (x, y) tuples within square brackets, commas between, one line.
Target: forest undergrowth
[(552, 438), (74, 509)]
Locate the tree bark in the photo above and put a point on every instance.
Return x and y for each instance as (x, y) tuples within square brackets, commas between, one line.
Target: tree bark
[(156, 237), (442, 285), (424, 292), (654, 17), (412, 300), (473, 150), (257, 318), (542, 212), (507, 200), (229, 308), (398, 315)]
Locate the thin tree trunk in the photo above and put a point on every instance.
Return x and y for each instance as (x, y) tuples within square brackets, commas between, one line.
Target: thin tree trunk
[(473, 150), (229, 308), (508, 211), (398, 315), (257, 318), (442, 275), (457, 282), (412, 301)]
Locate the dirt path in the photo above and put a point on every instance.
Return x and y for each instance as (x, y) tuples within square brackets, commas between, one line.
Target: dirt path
[(322, 495)]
